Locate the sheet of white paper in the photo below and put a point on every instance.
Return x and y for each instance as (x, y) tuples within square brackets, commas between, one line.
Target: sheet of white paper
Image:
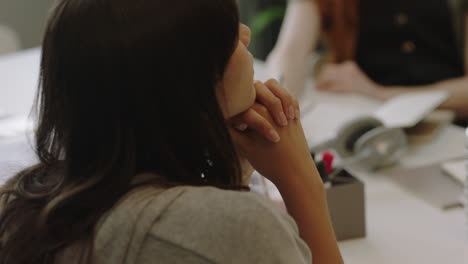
[(409, 109)]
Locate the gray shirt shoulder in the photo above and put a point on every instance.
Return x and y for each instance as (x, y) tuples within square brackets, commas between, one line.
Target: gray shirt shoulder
[(198, 225)]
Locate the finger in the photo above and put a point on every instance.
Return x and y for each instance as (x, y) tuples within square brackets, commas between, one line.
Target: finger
[(329, 73), (336, 88), (324, 85), (273, 103), (260, 124), (237, 123), (287, 100), (242, 127)]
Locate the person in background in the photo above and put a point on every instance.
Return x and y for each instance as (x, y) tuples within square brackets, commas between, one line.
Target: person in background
[(149, 121), (379, 49)]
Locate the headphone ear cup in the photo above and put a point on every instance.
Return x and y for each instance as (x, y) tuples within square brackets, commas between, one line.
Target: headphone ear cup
[(350, 133), (386, 146)]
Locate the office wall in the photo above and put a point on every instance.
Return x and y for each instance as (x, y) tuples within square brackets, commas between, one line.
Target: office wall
[(27, 18), (268, 14)]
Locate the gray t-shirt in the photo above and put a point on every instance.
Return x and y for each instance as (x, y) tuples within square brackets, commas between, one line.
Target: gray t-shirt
[(196, 225)]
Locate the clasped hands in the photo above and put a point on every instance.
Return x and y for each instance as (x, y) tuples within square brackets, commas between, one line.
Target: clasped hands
[(280, 105), (269, 135)]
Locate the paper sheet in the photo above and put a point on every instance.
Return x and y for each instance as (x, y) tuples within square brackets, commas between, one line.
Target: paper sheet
[(409, 109)]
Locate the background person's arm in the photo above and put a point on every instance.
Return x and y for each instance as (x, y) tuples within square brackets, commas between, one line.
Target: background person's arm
[(297, 39), (347, 77)]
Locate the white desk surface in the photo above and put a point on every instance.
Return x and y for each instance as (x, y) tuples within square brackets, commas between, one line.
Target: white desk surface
[(19, 75), (400, 227)]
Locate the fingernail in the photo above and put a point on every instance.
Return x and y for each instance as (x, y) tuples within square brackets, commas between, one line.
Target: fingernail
[(291, 112), (282, 119), (242, 127), (274, 135), (298, 113)]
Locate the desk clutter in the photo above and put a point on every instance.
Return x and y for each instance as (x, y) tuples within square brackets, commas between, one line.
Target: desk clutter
[(375, 139), (334, 118), (345, 196)]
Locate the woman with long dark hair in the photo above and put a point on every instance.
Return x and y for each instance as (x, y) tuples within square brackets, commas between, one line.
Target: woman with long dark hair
[(139, 158)]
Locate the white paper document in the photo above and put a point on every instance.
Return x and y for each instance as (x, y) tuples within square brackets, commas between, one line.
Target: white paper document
[(407, 110)]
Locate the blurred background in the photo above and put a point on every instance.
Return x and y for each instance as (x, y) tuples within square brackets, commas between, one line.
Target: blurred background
[(264, 17), (22, 23)]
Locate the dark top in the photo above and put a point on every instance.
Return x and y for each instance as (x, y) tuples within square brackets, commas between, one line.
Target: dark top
[(408, 42)]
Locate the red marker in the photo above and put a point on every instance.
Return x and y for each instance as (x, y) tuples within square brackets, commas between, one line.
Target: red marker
[(328, 158)]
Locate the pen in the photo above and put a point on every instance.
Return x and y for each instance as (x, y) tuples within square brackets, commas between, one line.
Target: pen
[(328, 158), (321, 168)]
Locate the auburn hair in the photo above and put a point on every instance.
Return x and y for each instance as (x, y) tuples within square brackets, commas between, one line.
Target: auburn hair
[(340, 21)]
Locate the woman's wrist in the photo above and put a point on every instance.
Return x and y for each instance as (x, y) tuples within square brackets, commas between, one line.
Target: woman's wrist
[(300, 178)]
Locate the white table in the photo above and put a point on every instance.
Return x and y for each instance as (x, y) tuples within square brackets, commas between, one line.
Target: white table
[(19, 75), (400, 227)]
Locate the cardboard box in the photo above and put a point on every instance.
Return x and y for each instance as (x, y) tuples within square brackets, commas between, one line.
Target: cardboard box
[(347, 206)]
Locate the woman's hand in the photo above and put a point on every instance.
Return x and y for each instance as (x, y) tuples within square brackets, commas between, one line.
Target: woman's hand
[(276, 161), (289, 165), (279, 103)]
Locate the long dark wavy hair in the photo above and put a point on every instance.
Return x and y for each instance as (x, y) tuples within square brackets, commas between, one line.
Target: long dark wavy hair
[(126, 87)]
